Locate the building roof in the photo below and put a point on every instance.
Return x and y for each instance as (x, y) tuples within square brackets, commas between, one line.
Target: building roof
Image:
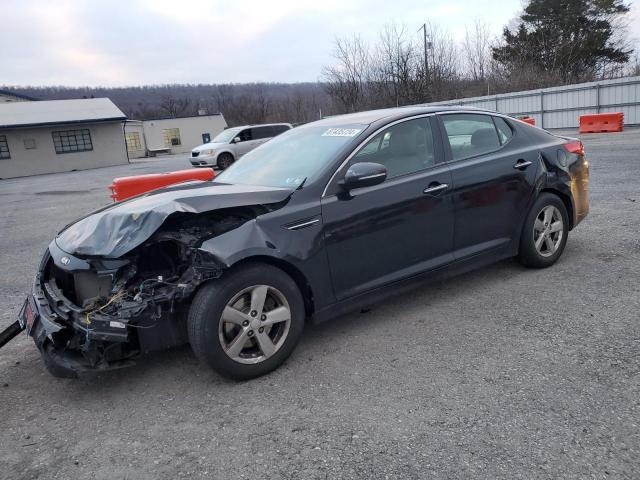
[(11, 93), (57, 112), (215, 114)]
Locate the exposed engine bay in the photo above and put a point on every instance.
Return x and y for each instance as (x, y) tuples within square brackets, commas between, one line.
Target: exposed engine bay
[(101, 311), (135, 304)]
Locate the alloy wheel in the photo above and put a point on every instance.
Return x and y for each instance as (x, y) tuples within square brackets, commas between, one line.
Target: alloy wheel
[(254, 324), (224, 161), (548, 230)]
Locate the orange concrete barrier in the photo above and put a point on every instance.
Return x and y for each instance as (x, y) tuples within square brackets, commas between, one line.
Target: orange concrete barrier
[(528, 119), (125, 187), (601, 122)]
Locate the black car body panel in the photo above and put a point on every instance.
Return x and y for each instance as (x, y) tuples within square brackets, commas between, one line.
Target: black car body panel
[(419, 229), (114, 231), (490, 196), (118, 282)]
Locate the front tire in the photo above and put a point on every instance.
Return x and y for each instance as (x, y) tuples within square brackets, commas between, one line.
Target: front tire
[(247, 323), (544, 233), (224, 160)]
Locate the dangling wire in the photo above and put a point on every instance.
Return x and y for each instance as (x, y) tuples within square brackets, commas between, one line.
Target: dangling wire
[(115, 297)]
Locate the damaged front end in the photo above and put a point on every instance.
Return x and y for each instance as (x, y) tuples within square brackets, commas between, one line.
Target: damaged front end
[(98, 312)]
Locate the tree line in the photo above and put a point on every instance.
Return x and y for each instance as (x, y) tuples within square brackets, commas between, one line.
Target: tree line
[(240, 103), (552, 42)]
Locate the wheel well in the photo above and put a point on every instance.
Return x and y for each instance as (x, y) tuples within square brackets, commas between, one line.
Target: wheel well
[(225, 153), (567, 203), (293, 272)]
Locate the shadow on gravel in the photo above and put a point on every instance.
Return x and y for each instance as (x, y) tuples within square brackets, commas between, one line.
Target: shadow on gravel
[(63, 192), (181, 364)]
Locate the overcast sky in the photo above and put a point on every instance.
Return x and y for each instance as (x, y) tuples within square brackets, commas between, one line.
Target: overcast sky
[(137, 42)]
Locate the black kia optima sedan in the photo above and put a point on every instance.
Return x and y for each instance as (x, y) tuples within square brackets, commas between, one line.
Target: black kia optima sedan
[(326, 218)]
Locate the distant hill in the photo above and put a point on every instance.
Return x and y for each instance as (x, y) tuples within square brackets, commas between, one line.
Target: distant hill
[(240, 103)]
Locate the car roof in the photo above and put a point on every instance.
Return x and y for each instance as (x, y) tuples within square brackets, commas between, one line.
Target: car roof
[(390, 114), (261, 125)]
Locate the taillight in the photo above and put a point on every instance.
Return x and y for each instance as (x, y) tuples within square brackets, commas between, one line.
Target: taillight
[(574, 146)]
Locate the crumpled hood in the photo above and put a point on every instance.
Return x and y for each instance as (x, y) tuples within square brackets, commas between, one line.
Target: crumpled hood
[(117, 229)]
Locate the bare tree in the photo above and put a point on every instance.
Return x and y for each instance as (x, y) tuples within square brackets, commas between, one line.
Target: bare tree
[(392, 72), (443, 62), (634, 66), (347, 80), (174, 107), (395, 67), (476, 49)]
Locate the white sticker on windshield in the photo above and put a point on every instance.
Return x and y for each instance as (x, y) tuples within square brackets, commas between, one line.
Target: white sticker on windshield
[(341, 132)]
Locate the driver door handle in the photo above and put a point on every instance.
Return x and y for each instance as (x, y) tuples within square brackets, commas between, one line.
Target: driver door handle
[(521, 164), (435, 188)]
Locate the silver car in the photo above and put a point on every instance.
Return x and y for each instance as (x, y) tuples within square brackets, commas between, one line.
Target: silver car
[(234, 142)]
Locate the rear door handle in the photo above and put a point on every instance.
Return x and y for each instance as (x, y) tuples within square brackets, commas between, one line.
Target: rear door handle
[(435, 188), (521, 164)]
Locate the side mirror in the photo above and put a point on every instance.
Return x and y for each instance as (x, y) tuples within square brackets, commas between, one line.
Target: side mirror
[(236, 140), (363, 174)]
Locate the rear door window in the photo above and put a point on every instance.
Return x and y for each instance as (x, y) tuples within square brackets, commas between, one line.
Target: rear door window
[(470, 134), (278, 129)]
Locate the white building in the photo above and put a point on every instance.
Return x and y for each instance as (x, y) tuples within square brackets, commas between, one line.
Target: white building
[(63, 135), (60, 136), (171, 135)]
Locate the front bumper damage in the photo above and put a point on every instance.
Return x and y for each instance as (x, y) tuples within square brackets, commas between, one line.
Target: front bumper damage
[(118, 282), (108, 334)]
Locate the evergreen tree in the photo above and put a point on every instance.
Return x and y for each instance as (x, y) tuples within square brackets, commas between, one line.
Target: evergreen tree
[(565, 41)]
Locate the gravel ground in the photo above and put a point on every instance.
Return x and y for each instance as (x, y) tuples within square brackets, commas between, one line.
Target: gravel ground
[(501, 373)]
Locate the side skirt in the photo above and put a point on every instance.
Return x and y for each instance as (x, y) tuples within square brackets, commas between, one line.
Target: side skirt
[(379, 294)]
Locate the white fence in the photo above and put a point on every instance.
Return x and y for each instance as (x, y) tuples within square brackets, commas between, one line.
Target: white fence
[(559, 107)]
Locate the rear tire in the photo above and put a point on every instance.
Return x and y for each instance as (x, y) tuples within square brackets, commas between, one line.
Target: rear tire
[(544, 233), (235, 334), (224, 160)]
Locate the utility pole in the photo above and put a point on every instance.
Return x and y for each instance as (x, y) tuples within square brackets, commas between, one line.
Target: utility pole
[(397, 79), (427, 45)]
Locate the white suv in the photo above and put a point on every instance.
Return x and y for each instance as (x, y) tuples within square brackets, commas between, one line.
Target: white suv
[(234, 142)]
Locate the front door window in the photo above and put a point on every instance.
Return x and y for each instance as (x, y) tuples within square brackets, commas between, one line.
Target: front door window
[(403, 148)]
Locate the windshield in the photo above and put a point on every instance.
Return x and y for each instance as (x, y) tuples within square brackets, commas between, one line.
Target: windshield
[(226, 135), (291, 157)]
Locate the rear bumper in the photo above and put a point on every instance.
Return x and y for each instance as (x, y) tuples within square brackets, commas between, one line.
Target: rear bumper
[(579, 173)]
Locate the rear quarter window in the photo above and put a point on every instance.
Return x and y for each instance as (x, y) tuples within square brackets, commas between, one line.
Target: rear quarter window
[(504, 130), (470, 134)]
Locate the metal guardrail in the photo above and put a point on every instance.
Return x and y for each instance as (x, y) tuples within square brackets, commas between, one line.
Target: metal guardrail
[(627, 100)]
